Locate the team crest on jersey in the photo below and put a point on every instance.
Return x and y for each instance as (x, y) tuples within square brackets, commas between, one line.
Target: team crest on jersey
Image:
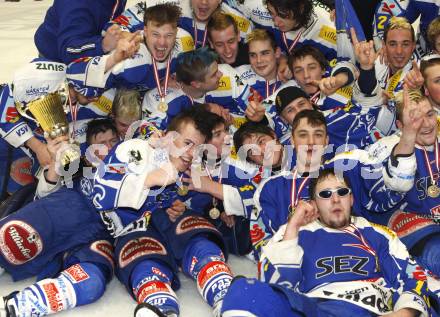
[(193, 223), (257, 234), (137, 248), (19, 242), (134, 156), (86, 187), (105, 249)]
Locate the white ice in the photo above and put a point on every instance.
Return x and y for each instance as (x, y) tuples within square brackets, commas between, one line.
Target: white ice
[(18, 22)]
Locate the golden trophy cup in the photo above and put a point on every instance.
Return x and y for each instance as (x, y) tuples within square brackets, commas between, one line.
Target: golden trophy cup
[(48, 112)]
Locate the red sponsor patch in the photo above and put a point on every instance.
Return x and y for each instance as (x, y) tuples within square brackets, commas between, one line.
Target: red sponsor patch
[(139, 247), (210, 270), (191, 223), (104, 248), (12, 115), (53, 296), (21, 171), (19, 242), (152, 288), (404, 223), (256, 233), (76, 273)]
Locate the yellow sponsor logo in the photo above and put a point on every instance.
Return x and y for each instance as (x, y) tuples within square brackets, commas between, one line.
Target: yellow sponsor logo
[(393, 82), (242, 23), (104, 104), (224, 83), (328, 34), (187, 43), (238, 122), (345, 92), (246, 188)]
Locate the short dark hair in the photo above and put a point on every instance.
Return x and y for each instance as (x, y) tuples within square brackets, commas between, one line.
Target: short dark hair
[(164, 13), (323, 174), (196, 115), (314, 117), (307, 50), (247, 130), (100, 125), (299, 10), (193, 65)]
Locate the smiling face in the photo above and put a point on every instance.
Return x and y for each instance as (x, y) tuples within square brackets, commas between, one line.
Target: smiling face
[(185, 143), (203, 9), (225, 43), (334, 212), (263, 58), (432, 83), (211, 80), (160, 40), (265, 150), (399, 47), (294, 107)]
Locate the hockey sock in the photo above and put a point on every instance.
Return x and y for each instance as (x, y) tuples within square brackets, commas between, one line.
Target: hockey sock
[(151, 282), (78, 285), (204, 261)]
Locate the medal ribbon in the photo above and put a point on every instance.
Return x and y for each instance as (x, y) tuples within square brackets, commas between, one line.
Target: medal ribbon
[(114, 9), (205, 33), (294, 196), (273, 89), (74, 113), (428, 164), (214, 200), (354, 231), (315, 97), (162, 93), (292, 46)]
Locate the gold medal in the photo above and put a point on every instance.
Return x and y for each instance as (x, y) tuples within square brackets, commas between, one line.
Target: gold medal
[(433, 191), (163, 106), (182, 191), (214, 213)]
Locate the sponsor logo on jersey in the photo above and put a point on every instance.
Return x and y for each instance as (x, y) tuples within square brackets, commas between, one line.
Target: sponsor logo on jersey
[(187, 43), (137, 248), (242, 23), (21, 171), (19, 242), (76, 274), (104, 104), (193, 223), (257, 234), (53, 296), (153, 288), (404, 223), (105, 249), (263, 15), (12, 115), (345, 92), (328, 34), (224, 83)]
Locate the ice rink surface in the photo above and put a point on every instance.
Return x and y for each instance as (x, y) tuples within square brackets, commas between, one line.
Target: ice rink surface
[(18, 22)]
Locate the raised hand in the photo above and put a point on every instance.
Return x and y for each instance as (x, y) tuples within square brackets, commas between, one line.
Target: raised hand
[(255, 110), (305, 213), (111, 38), (127, 46), (364, 51), (176, 210), (414, 78), (329, 85)]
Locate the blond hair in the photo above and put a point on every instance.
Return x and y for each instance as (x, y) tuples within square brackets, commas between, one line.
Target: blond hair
[(261, 35), (415, 95), (433, 31), (127, 104), (398, 23)]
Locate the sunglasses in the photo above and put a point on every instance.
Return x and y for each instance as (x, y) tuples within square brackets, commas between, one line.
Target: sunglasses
[(327, 193)]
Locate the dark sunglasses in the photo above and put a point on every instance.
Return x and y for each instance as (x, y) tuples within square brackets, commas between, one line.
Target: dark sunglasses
[(327, 193)]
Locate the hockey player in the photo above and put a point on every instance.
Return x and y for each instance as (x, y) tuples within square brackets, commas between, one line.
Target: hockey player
[(72, 30), (277, 196), (202, 80), (30, 82), (195, 16), (325, 262), (309, 23), (126, 109), (224, 39), (131, 63), (139, 193), (310, 70), (60, 238), (261, 74)]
